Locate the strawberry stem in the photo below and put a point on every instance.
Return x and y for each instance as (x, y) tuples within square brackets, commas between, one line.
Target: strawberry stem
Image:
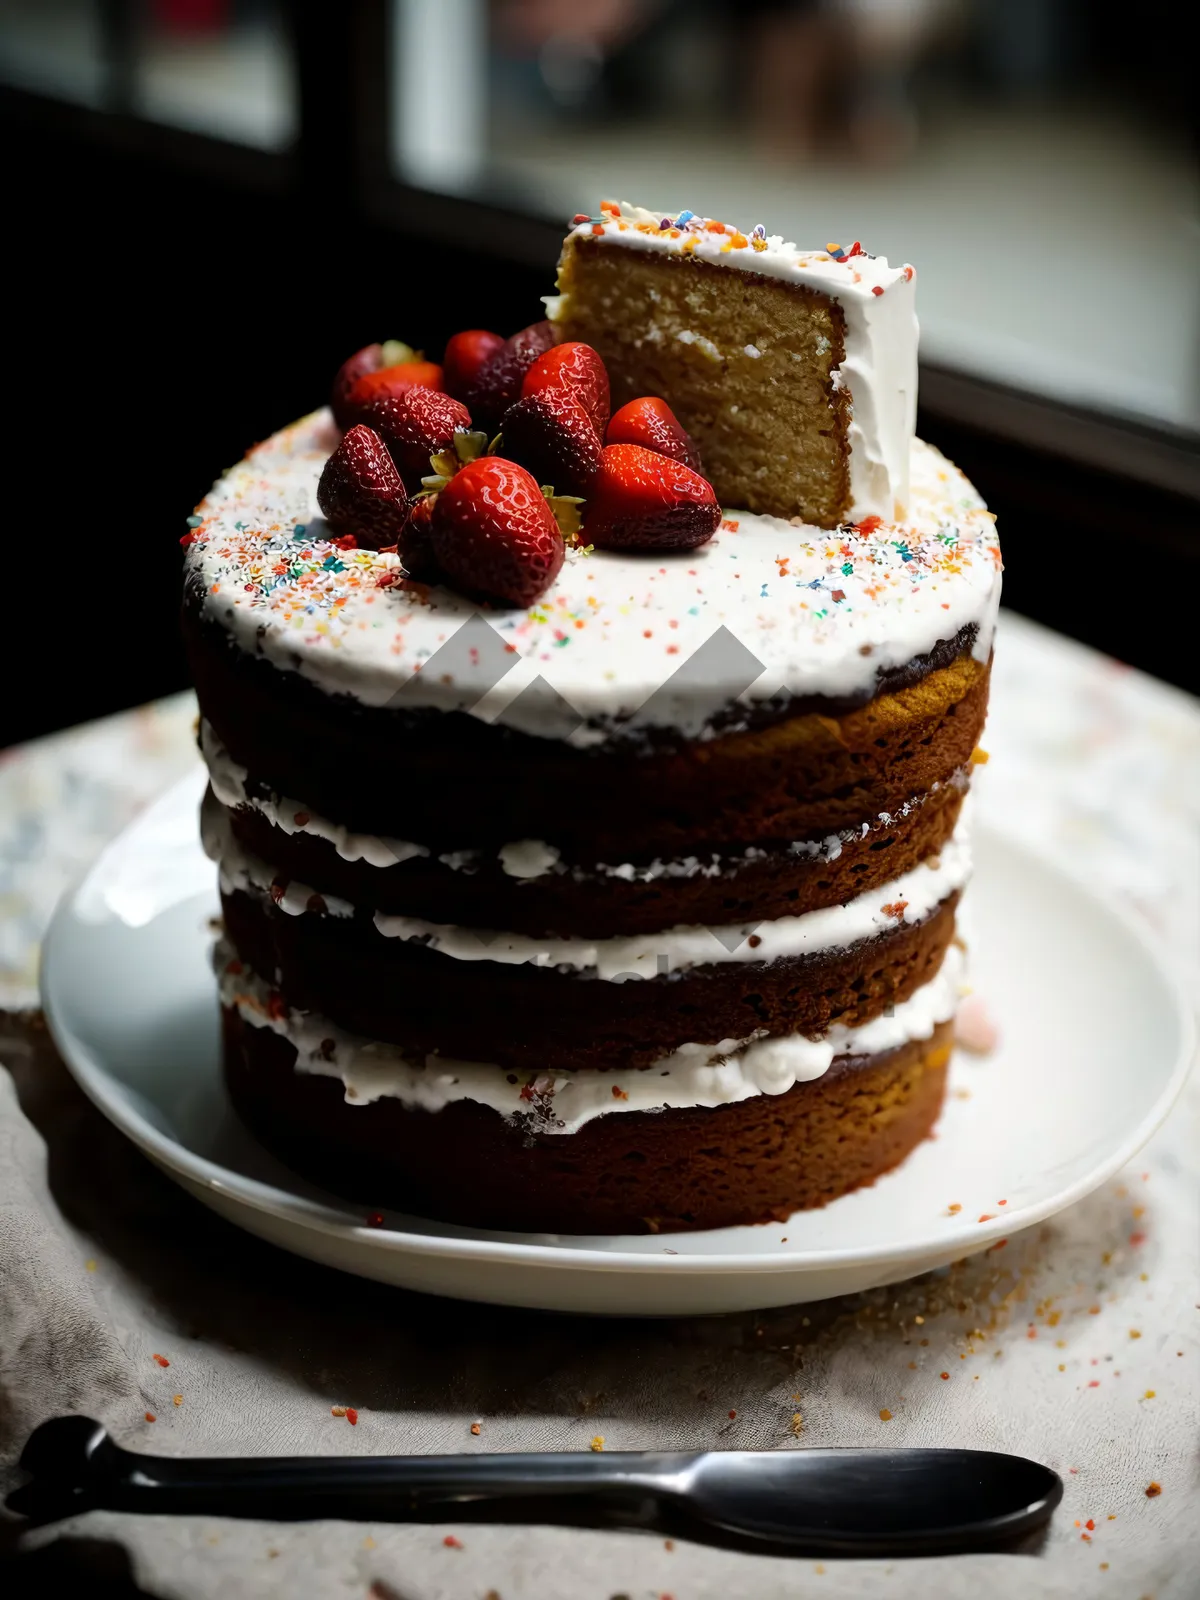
[(565, 510), (470, 444), (467, 446), (395, 351)]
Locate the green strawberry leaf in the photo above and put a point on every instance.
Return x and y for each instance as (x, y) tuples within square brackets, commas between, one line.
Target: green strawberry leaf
[(469, 445), (565, 510)]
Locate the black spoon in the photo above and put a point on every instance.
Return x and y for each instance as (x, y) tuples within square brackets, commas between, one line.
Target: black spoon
[(821, 1502)]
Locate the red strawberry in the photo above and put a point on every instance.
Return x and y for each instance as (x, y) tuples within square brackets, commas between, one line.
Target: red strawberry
[(497, 384), (416, 541), (415, 425), (576, 367), (466, 355), (368, 359), (552, 435), (360, 491), (643, 501), (494, 536), (391, 381), (651, 423)]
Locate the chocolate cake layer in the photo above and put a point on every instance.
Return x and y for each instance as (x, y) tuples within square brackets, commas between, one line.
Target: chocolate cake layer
[(629, 1172), (452, 782), (525, 1017), (782, 883)]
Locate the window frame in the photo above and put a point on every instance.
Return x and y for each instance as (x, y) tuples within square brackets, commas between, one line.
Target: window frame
[(341, 157)]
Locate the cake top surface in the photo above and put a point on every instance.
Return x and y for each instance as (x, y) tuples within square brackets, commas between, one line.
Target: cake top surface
[(766, 607), (846, 272), (878, 371)]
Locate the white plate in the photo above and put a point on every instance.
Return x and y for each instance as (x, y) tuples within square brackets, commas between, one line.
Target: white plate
[(1096, 1041)]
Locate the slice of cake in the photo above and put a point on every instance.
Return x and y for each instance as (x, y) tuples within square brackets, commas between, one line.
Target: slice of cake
[(795, 371), (601, 880)]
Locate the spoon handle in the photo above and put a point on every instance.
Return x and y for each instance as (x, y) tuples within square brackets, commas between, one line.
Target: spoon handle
[(369, 1488), (101, 1474)]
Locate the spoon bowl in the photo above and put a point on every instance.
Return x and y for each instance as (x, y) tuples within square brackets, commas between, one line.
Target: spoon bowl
[(868, 1502)]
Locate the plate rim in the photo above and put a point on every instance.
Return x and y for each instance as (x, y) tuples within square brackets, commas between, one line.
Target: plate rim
[(303, 1212)]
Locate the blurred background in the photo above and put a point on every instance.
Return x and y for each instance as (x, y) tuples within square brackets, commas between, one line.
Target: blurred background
[(212, 202)]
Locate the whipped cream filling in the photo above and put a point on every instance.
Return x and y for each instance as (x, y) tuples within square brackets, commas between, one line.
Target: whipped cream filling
[(879, 368), (906, 899), (523, 858), (228, 779), (562, 1102)]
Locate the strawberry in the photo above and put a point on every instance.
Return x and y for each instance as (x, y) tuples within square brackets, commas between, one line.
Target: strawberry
[(497, 384), (494, 536), (651, 423), (416, 541), (369, 359), (390, 381), (576, 367), (415, 425), (360, 491), (466, 355), (641, 500), (552, 435)]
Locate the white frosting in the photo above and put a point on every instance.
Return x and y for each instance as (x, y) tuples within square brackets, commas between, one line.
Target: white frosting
[(617, 636), (239, 870), (878, 301), (907, 899), (229, 778), (524, 858), (529, 858), (561, 1102)]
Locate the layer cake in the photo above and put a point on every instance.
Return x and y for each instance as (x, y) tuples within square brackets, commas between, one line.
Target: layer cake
[(632, 908)]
